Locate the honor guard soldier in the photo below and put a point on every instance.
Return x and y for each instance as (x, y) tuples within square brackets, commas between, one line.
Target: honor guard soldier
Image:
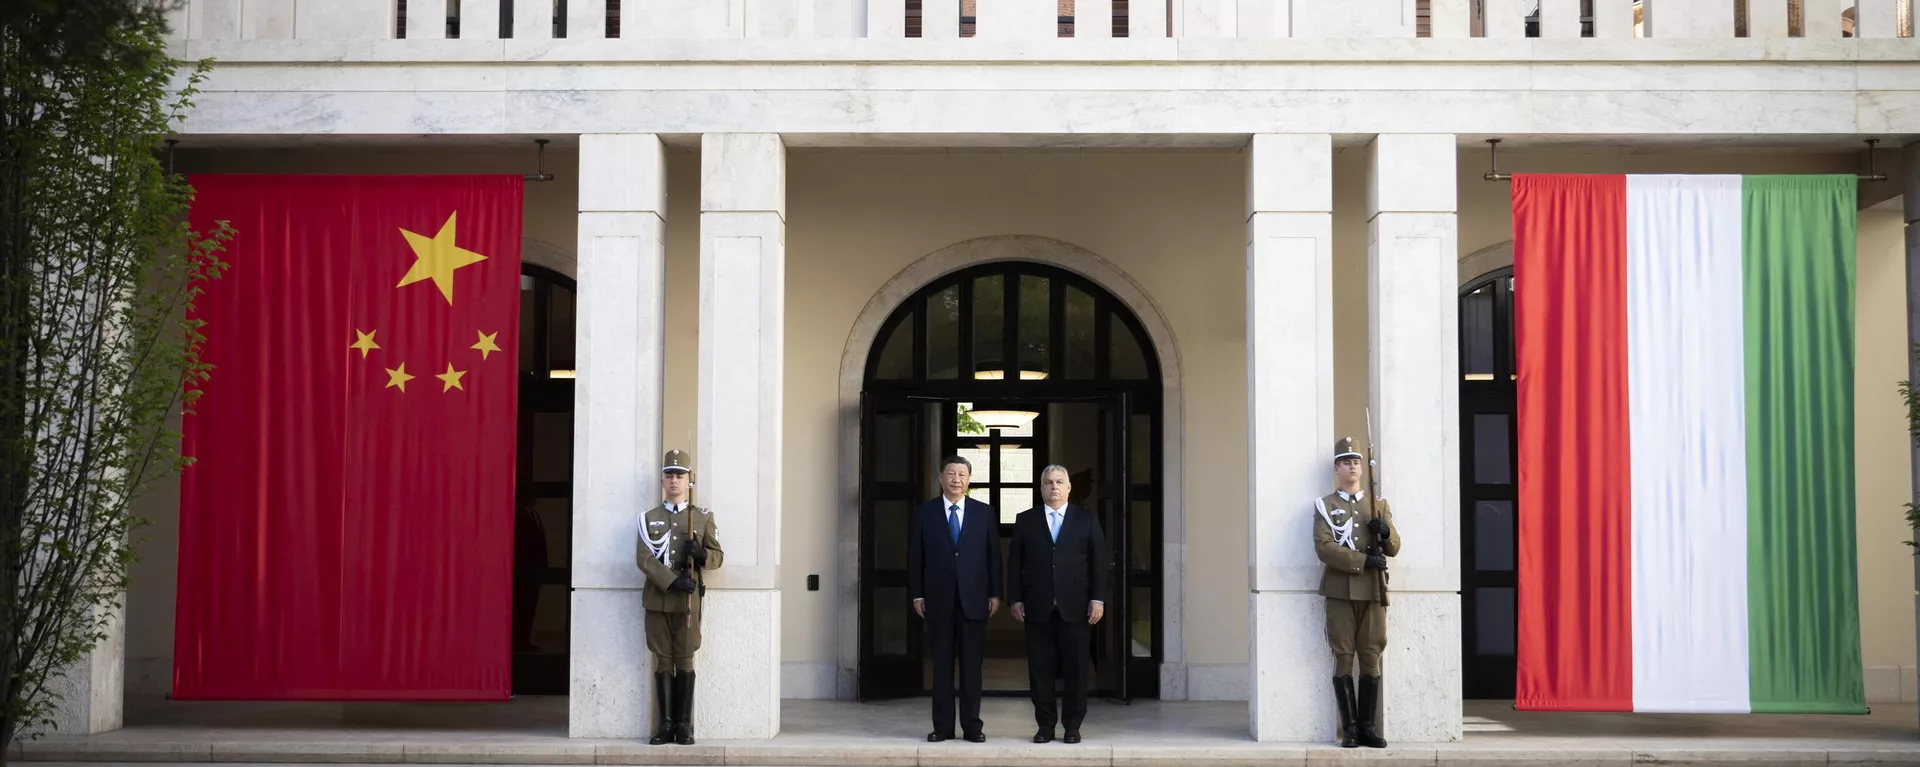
[(1353, 536), (676, 543)]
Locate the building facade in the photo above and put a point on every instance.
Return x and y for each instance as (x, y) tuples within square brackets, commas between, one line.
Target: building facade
[(806, 240)]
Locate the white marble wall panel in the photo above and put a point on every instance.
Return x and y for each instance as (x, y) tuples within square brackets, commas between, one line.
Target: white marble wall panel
[(1821, 18), (1092, 19), (1354, 19), (1889, 112), (215, 19), (1504, 18), (1693, 112), (1711, 19), (268, 20), (682, 19), (1289, 406), (1613, 19), (587, 19), (779, 18), (839, 19), (1665, 77), (426, 19), (1450, 18), (1560, 18), (1877, 18), (533, 20), (887, 19), (342, 19), (1767, 19), (1421, 674), (738, 665), (1202, 19), (1015, 20), (1296, 666), (1262, 19), (480, 20), (92, 691), (1149, 20), (344, 112), (618, 393)]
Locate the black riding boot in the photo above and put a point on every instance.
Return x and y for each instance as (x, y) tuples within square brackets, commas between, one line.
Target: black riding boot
[(663, 700), (1343, 696), (683, 698), (1369, 702)]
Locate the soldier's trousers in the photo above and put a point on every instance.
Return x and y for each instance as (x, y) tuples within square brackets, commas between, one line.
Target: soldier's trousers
[(1356, 628), (672, 638)]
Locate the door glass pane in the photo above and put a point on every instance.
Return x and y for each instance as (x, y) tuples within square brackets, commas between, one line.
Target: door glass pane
[(1079, 351), (1127, 362), (1140, 604), (890, 626), (891, 451), (1493, 620), (943, 334), (560, 330), (527, 288), (890, 529), (1476, 334), (981, 460), (1014, 500), (552, 447), (1016, 465), (1140, 529), (1493, 536), (1036, 327), (1140, 433), (896, 355), (1492, 456), (989, 327)]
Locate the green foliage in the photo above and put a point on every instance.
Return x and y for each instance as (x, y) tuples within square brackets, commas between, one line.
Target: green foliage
[(98, 274), (1912, 398), (966, 423)]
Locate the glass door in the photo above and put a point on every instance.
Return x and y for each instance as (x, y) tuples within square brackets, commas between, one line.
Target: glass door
[(1488, 473), (896, 474)]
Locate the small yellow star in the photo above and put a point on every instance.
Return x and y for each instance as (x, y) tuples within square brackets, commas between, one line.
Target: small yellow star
[(436, 257), (398, 377), (365, 344), (451, 378), (486, 345)]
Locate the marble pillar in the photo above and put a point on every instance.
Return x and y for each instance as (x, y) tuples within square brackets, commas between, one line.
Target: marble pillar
[(616, 428), (743, 204), (93, 689), (1290, 431), (1414, 399)]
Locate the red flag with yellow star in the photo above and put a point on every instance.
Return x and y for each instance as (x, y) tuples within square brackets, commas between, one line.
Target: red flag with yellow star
[(346, 528)]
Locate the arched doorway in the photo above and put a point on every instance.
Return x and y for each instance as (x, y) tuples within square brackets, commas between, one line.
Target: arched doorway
[(1014, 365), (543, 518), (1488, 473)]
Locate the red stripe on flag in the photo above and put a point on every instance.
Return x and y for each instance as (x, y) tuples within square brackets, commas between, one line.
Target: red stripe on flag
[(1575, 644)]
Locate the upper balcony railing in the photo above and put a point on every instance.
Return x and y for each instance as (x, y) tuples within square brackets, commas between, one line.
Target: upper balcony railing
[(355, 20)]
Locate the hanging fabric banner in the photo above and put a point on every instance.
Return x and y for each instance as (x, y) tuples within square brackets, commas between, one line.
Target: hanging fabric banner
[(1685, 382), (346, 528)]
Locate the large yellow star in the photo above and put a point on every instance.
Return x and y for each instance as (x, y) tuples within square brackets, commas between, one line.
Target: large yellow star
[(398, 377), (451, 378), (437, 257), (486, 345), (365, 344)]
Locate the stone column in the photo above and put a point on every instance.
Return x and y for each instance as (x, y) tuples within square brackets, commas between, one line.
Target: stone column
[(1412, 282), (743, 208), (93, 690), (1290, 432), (616, 428)]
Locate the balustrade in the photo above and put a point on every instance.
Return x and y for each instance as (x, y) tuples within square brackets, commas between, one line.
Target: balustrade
[(1039, 19)]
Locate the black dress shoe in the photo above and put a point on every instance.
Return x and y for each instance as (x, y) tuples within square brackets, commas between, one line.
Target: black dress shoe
[(937, 736), (1043, 736), (976, 737), (1072, 737)]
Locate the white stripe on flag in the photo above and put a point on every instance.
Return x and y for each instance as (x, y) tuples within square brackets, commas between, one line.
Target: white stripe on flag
[(1686, 405)]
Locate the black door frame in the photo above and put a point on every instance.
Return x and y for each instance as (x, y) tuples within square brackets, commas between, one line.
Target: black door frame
[(540, 392), (1486, 675), (1143, 398)]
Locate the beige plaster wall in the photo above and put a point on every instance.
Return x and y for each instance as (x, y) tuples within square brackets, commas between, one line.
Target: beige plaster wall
[(1172, 222)]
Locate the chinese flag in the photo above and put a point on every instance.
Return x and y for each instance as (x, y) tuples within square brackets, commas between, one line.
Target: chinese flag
[(346, 529)]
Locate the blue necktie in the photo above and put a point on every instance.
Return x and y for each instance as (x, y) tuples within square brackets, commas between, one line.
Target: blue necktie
[(953, 522), (1053, 524)]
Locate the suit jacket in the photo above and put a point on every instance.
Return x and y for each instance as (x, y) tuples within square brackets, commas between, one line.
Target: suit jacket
[(679, 529), (937, 568), (1068, 573), (1346, 575)]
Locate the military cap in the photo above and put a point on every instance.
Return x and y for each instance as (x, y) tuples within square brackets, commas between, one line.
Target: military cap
[(678, 460), (1344, 449)]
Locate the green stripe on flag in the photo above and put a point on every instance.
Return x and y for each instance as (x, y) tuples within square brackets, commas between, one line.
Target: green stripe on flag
[(1803, 610)]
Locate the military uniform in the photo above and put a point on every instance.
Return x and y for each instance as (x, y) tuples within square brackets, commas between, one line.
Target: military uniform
[(669, 547), (1344, 535)]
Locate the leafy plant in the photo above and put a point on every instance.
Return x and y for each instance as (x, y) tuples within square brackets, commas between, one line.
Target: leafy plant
[(966, 423), (1912, 398), (98, 274)]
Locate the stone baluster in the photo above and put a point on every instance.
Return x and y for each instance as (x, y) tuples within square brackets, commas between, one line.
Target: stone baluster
[(887, 18)]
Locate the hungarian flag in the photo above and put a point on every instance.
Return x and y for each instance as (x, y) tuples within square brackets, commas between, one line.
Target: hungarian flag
[(1685, 364), (346, 528)]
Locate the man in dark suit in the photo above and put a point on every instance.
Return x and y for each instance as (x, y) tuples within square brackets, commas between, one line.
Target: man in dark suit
[(953, 578), (1059, 581)]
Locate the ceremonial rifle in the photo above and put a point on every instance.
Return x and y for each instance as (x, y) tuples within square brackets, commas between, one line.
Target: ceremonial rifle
[(1374, 544)]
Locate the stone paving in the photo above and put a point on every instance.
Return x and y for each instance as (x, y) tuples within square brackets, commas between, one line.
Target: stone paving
[(533, 731)]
